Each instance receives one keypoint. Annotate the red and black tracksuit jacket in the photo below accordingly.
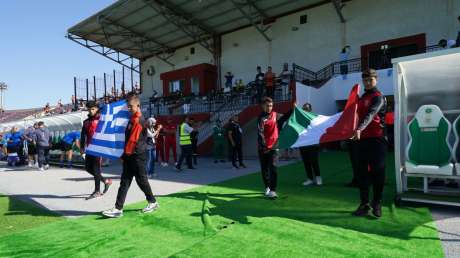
(268, 126)
(371, 113)
(87, 130)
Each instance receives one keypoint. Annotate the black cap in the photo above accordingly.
(369, 73)
(91, 104)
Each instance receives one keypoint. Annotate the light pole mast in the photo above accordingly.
(3, 88)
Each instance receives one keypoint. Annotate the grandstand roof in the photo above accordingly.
(145, 28)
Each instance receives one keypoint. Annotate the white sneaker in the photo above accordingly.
(319, 181)
(307, 183)
(113, 213)
(30, 164)
(165, 164)
(267, 191)
(47, 166)
(41, 169)
(272, 195)
(151, 207)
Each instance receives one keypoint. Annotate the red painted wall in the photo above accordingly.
(206, 73)
(419, 40)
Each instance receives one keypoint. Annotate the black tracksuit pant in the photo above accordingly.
(310, 156)
(268, 167)
(372, 153)
(353, 151)
(134, 166)
(185, 153)
(93, 166)
(237, 154)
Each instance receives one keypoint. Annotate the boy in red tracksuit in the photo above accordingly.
(268, 126)
(92, 163)
(372, 145)
(134, 161)
(170, 130)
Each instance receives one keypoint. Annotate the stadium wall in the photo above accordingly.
(318, 42)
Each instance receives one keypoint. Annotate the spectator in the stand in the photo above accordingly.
(47, 109)
(310, 156)
(344, 55)
(66, 145)
(218, 136)
(152, 134)
(160, 145)
(285, 80)
(170, 130)
(239, 85)
(270, 82)
(443, 43)
(260, 84)
(43, 139)
(186, 105)
(235, 138)
(228, 80)
(194, 138)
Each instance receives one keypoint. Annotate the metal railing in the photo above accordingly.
(319, 78)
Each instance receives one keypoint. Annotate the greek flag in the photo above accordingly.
(109, 139)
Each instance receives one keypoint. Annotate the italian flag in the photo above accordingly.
(307, 128)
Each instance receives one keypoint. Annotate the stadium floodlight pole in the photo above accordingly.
(132, 74)
(114, 92)
(75, 104)
(87, 90)
(3, 88)
(105, 86)
(94, 87)
(123, 81)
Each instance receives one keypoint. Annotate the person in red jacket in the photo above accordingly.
(134, 160)
(268, 126)
(170, 130)
(372, 145)
(92, 163)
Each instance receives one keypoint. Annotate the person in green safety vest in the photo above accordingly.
(218, 137)
(185, 142)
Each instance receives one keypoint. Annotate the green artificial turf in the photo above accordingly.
(16, 215)
(232, 219)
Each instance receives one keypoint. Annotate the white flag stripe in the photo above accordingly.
(110, 137)
(318, 126)
(107, 151)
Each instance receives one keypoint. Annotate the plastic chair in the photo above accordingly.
(429, 151)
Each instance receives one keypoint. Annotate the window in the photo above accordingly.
(177, 85)
(195, 85)
(303, 19)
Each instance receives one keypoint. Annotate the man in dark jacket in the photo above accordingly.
(134, 161)
(235, 138)
(43, 138)
(372, 145)
(268, 125)
(92, 163)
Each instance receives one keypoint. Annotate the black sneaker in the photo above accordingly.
(107, 185)
(191, 167)
(94, 195)
(222, 161)
(242, 165)
(215, 161)
(363, 210)
(178, 169)
(377, 210)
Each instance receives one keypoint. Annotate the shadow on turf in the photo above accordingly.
(241, 207)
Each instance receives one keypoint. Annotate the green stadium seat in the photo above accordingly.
(456, 150)
(429, 151)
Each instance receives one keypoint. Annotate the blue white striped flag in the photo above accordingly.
(109, 139)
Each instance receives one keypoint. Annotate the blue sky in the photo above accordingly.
(36, 61)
